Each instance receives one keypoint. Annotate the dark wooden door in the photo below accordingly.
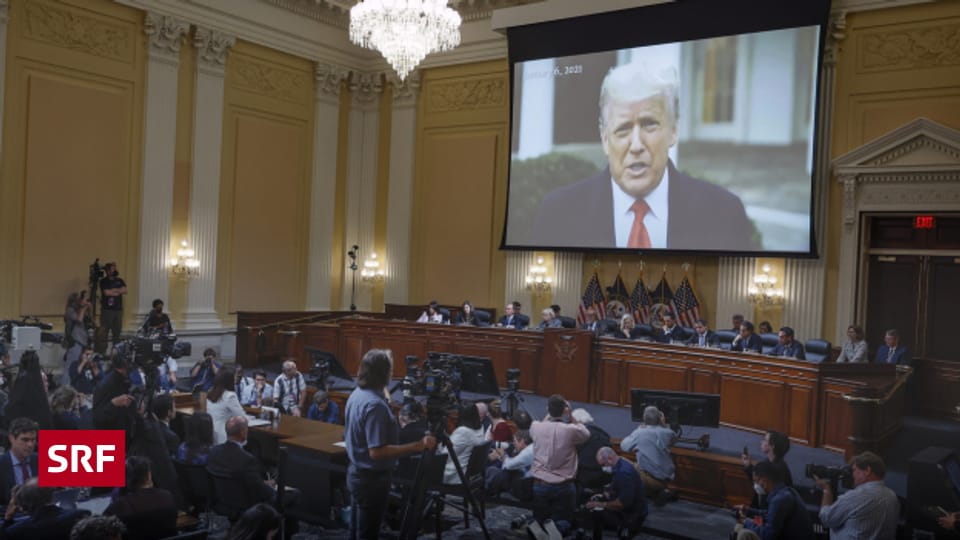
(917, 295)
(893, 299)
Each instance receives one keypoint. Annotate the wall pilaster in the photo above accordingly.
(403, 125)
(212, 50)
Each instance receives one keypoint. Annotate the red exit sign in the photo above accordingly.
(924, 222)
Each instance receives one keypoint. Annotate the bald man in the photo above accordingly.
(623, 502)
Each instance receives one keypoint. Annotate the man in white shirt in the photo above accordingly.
(869, 511)
(290, 390)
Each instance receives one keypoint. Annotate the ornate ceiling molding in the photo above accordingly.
(337, 12)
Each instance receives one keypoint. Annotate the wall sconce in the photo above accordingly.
(764, 290)
(371, 273)
(185, 265)
(538, 282)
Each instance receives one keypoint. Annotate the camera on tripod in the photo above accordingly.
(513, 379)
(837, 476)
(150, 351)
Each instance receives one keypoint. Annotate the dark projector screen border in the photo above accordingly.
(702, 142)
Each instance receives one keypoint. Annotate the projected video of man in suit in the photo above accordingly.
(702, 146)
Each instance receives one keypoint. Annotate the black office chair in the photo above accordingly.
(196, 487)
(483, 317)
(818, 350)
(567, 322)
(726, 338)
(445, 313)
(768, 342)
(645, 331)
(230, 497)
(523, 321)
(475, 471)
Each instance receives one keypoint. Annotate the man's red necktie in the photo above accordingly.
(638, 233)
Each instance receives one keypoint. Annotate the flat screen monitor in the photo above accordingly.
(680, 408)
(476, 374)
(686, 126)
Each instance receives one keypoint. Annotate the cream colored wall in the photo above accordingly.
(460, 185)
(894, 65)
(73, 112)
(264, 186)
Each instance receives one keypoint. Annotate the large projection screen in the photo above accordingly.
(690, 145)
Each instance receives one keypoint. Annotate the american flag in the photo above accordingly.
(662, 294)
(592, 297)
(640, 302)
(685, 300)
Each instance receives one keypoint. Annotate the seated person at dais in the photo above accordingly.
(746, 340)
(703, 336)
(764, 327)
(512, 317)
(788, 347)
(670, 331)
(891, 352)
(550, 320)
(324, 409)
(590, 321)
(431, 314)
(467, 316)
(854, 350)
(627, 330)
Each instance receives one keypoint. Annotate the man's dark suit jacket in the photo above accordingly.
(752, 343)
(712, 339)
(7, 477)
(49, 523)
(702, 216)
(519, 322)
(675, 334)
(228, 458)
(900, 356)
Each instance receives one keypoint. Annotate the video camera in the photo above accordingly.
(513, 379)
(837, 476)
(150, 351)
(439, 378)
(97, 272)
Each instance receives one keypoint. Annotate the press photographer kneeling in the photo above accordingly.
(785, 515)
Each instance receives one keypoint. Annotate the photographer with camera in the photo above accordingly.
(85, 374)
(372, 439)
(785, 517)
(204, 371)
(112, 289)
(869, 511)
(652, 441)
(622, 502)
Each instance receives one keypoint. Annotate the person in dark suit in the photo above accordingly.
(670, 331)
(230, 458)
(467, 316)
(891, 352)
(746, 340)
(165, 412)
(113, 406)
(512, 318)
(641, 200)
(39, 519)
(147, 511)
(590, 321)
(19, 464)
(788, 347)
(703, 336)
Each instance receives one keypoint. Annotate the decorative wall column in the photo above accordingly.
(515, 287)
(165, 34)
(323, 184)
(804, 280)
(568, 282)
(4, 20)
(212, 50)
(733, 279)
(362, 175)
(403, 136)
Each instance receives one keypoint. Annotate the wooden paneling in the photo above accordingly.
(704, 381)
(740, 399)
(72, 149)
(611, 382)
(655, 376)
(936, 387)
(801, 414)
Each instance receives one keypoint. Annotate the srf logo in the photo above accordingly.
(81, 458)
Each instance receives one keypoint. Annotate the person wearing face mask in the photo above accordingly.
(623, 502)
(157, 320)
(785, 518)
(774, 446)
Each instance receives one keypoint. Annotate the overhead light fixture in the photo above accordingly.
(372, 274)
(185, 265)
(538, 282)
(764, 291)
(404, 31)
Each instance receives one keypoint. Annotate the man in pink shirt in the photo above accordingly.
(554, 469)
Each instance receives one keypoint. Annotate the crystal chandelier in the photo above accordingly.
(404, 31)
